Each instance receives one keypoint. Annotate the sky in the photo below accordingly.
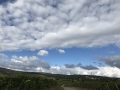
(61, 36)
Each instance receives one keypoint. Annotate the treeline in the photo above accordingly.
(26, 82)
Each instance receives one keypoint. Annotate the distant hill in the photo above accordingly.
(5, 71)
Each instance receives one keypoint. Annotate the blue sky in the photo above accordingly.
(74, 55)
(3, 1)
(56, 36)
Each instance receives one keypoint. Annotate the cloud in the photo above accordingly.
(70, 65)
(87, 67)
(3, 55)
(113, 61)
(102, 71)
(43, 53)
(24, 63)
(61, 51)
(59, 24)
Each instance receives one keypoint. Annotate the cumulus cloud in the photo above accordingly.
(24, 63)
(61, 51)
(43, 53)
(102, 71)
(42, 24)
(113, 61)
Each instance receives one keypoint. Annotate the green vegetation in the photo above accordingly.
(90, 83)
(26, 82)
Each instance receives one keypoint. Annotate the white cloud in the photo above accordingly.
(43, 53)
(24, 63)
(61, 51)
(59, 24)
(102, 71)
(2, 55)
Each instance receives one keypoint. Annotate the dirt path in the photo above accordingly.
(69, 88)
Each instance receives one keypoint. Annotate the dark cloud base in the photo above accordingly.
(87, 67)
(113, 61)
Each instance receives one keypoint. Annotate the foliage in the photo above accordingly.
(92, 84)
(26, 82)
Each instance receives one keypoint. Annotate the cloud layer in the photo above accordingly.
(43, 24)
